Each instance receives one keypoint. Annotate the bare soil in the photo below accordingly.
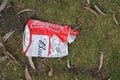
(10, 21)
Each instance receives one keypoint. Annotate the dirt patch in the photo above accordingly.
(10, 21)
(103, 74)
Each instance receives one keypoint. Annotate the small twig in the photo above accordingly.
(2, 6)
(73, 54)
(88, 2)
(99, 10)
(114, 18)
(109, 79)
(6, 36)
(101, 61)
(76, 78)
(77, 27)
(68, 64)
(9, 55)
(78, 21)
(78, 24)
(25, 10)
(27, 74)
(3, 58)
(50, 73)
(31, 62)
(91, 10)
(1, 44)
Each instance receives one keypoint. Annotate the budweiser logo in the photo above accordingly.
(41, 46)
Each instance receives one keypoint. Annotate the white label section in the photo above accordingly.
(39, 46)
(26, 38)
(58, 49)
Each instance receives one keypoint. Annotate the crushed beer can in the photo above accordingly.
(44, 39)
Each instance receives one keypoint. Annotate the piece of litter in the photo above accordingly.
(44, 39)
(99, 10)
(25, 10)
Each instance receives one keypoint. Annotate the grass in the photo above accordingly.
(98, 33)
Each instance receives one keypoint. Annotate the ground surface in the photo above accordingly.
(98, 33)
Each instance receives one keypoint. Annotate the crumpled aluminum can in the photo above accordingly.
(44, 39)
